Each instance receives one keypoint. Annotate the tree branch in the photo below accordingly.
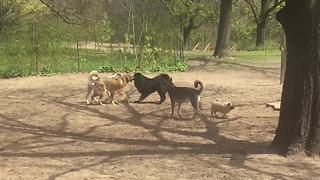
(274, 6)
(254, 10)
(167, 7)
(65, 19)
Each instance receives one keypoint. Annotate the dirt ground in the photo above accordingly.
(48, 132)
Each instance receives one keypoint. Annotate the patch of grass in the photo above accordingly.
(197, 54)
(58, 59)
(258, 56)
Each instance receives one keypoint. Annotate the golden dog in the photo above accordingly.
(110, 86)
(93, 78)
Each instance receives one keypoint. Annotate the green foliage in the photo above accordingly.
(9, 13)
(17, 59)
(243, 27)
(151, 59)
(103, 30)
(243, 34)
(34, 40)
(185, 10)
(13, 72)
(107, 68)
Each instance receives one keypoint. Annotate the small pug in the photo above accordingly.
(221, 107)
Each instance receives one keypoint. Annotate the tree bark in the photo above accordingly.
(299, 121)
(223, 29)
(260, 34)
(186, 37)
(283, 49)
(262, 23)
(186, 34)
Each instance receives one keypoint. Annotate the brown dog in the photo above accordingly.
(110, 86)
(92, 79)
(184, 94)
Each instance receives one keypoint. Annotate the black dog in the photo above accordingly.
(184, 94)
(146, 86)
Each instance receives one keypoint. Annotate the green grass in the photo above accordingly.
(20, 61)
(252, 57)
(260, 56)
(17, 59)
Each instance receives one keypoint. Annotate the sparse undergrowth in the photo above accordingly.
(60, 60)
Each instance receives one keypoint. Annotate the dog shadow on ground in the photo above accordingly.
(217, 144)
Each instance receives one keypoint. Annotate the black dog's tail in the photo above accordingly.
(196, 84)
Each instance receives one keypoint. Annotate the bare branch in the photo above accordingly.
(274, 6)
(62, 14)
(167, 7)
(254, 9)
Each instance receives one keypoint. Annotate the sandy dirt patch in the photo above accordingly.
(48, 132)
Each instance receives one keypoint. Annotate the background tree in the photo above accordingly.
(262, 15)
(242, 32)
(190, 14)
(299, 122)
(9, 12)
(223, 29)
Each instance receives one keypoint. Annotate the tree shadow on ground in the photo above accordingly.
(211, 65)
(216, 143)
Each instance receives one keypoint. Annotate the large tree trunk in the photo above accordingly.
(186, 34)
(223, 29)
(260, 34)
(299, 121)
(262, 23)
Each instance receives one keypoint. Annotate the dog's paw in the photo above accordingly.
(100, 102)
(114, 103)
(95, 101)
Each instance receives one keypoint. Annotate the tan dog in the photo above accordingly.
(221, 107)
(92, 79)
(110, 86)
